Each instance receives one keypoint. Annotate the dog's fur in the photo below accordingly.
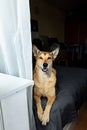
(45, 80)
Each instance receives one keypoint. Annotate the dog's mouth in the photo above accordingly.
(45, 69)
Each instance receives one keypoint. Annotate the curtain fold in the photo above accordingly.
(15, 38)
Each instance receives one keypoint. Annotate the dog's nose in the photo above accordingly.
(45, 64)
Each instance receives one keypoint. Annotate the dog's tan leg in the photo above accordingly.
(46, 114)
(39, 107)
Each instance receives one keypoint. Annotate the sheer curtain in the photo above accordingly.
(15, 42)
(15, 38)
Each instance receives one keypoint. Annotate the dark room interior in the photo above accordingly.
(65, 23)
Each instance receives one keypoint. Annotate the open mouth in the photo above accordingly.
(45, 69)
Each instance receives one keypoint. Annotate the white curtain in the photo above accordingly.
(15, 43)
(15, 38)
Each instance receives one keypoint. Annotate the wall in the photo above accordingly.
(50, 20)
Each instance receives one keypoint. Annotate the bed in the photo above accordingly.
(71, 92)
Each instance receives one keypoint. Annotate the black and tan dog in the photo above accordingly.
(45, 80)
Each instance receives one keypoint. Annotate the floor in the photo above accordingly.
(81, 123)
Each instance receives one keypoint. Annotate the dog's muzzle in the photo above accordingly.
(45, 67)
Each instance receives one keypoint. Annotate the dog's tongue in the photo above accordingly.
(44, 69)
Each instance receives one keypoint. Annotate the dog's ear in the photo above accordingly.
(36, 51)
(55, 53)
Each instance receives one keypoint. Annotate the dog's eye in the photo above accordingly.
(49, 57)
(40, 57)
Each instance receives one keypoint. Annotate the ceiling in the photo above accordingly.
(68, 5)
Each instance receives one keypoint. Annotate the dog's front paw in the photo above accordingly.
(45, 118)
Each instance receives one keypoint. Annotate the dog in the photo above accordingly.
(44, 81)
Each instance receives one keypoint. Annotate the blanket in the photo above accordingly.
(71, 89)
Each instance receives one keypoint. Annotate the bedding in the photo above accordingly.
(71, 89)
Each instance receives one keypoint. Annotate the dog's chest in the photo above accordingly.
(43, 88)
(44, 84)
(45, 78)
